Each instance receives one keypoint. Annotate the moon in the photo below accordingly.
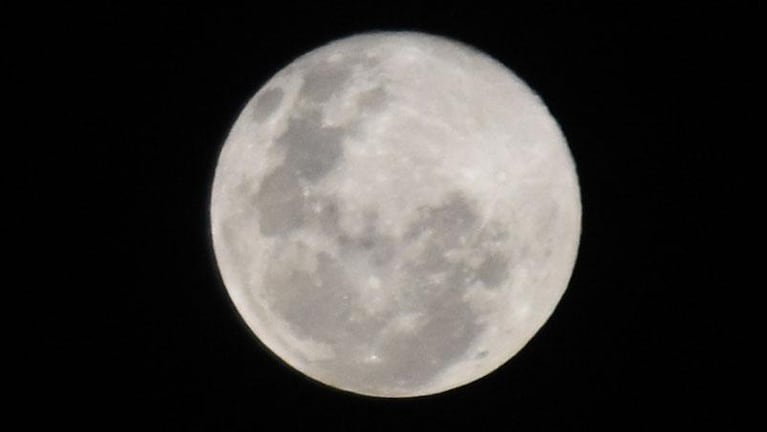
(395, 214)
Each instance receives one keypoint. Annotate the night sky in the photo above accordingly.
(140, 331)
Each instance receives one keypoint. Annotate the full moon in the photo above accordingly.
(395, 214)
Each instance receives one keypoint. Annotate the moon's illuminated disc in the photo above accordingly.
(395, 214)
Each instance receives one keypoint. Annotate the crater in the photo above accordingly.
(312, 150)
(267, 103)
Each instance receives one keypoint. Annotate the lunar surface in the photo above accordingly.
(395, 214)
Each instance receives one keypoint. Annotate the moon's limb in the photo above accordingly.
(395, 214)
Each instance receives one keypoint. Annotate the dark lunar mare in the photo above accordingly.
(267, 103)
(311, 152)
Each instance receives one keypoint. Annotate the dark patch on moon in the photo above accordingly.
(312, 149)
(377, 248)
(373, 100)
(445, 223)
(410, 359)
(447, 227)
(325, 214)
(324, 79)
(320, 305)
(279, 202)
(311, 152)
(267, 103)
(440, 230)
(231, 230)
(316, 305)
(383, 251)
(493, 269)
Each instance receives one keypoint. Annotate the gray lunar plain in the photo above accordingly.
(395, 214)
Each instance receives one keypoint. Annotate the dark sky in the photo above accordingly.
(644, 95)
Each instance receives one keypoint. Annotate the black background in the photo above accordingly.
(648, 98)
